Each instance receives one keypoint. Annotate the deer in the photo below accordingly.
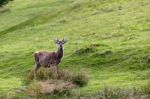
(47, 58)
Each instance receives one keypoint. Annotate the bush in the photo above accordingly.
(80, 79)
(4, 2)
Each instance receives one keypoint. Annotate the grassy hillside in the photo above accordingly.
(108, 39)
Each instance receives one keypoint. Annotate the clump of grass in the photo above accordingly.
(34, 89)
(75, 5)
(29, 77)
(145, 89)
(146, 59)
(80, 79)
(46, 73)
(45, 84)
(86, 50)
(62, 92)
(103, 54)
(119, 93)
(42, 74)
(65, 75)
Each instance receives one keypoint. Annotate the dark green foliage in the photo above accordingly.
(85, 51)
(146, 59)
(4, 2)
(103, 54)
(88, 49)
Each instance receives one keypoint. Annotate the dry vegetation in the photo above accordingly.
(47, 83)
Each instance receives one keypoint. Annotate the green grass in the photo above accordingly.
(109, 39)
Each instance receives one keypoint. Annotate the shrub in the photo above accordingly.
(80, 79)
(4, 2)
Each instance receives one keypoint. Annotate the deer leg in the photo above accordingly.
(37, 64)
(57, 70)
(37, 67)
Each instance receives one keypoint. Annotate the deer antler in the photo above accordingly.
(64, 40)
(56, 40)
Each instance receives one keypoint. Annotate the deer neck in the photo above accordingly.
(60, 51)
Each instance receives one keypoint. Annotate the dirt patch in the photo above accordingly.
(46, 83)
(51, 85)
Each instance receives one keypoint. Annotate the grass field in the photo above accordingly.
(107, 39)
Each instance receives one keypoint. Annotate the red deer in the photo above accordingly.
(47, 59)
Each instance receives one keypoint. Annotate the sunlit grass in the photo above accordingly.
(111, 36)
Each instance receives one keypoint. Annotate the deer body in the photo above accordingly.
(48, 59)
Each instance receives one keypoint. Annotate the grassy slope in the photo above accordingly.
(109, 39)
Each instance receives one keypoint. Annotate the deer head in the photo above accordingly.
(58, 42)
(60, 47)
